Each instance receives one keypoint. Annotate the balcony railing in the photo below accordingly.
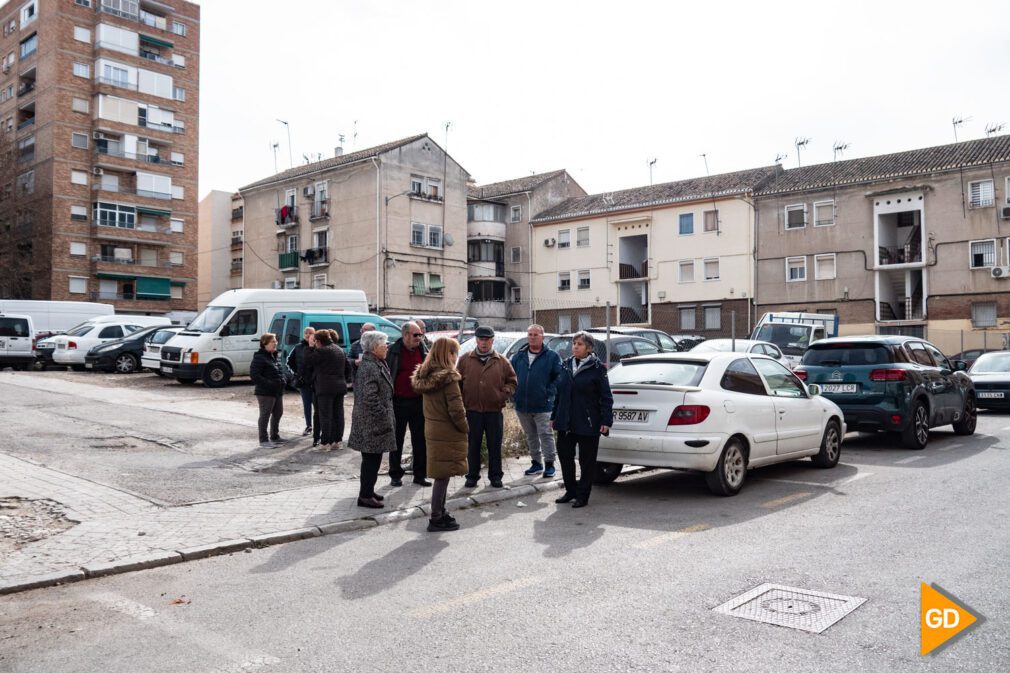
(903, 255)
(113, 150)
(237, 213)
(316, 256)
(236, 242)
(287, 260)
(102, 7)
(116, 260)
(236, 268)
(286, 216)
(25, 87)
(157, 58)
(26, 123)
(320, 210)
(121, 83)
(110, 187)
(425, 197)
(629, 271)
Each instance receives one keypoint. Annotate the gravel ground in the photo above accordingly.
(25, 521)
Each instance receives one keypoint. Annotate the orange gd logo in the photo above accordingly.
(941, 618)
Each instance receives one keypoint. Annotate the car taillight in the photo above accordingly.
(689, 414)
(71, 344)
(801, 374)
(887, 375)
(194, 358)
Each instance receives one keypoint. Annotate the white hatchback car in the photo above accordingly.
(718, 413)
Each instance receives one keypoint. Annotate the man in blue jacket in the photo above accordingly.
(537, 369)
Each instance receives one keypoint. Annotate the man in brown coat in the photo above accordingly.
(488, 382)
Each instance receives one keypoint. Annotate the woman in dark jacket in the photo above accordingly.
(331, 372)
(583, 410)
(267, 374)
(372, 422)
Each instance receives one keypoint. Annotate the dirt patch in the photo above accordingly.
(25, 521)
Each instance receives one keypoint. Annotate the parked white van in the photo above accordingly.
(221, 341)
(56, 316)
(71, 347)
(17, 334)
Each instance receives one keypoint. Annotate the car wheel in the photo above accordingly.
(966, 426)
(216, 375)
(606, 473)
(186, 382)
(126, 363)
(728, 476)
(916, 435)
(831, 446)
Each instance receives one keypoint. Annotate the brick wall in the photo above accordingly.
(667, 317)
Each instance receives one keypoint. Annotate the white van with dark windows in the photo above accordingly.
(17, 337)
(221, 341)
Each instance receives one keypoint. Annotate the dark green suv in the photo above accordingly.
(892, 383)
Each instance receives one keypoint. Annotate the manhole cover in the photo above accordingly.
(811, 611)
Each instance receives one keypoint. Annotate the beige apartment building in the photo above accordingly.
(676, 256)
(914, 243)
(220, 253)
(389, 220)
(500, 244)
(100, 99)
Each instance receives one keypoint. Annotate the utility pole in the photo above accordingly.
(291, 161)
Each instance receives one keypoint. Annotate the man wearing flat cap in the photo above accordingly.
(488, 382)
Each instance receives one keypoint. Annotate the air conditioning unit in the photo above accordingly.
(549, 242)
(1005, 212)
(277, 285)
(97, 171)
(309, 191)
(1000, 271)
(98, 135)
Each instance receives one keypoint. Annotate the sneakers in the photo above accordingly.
(442, 525)
(267, 445)
(549, 471)
(535, 468)
(278, 440)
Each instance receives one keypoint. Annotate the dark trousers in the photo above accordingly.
(370, 463)
(271, 409)
(307, 404)
(409, 411)
(588, 448)
(331, 418)
(438, 492)
(490, 423)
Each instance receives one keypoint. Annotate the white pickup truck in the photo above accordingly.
(793, 332)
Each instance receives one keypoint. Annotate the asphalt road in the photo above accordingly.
(627, 584)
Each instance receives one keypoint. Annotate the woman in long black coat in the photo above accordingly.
(331, 372)
(268, 376)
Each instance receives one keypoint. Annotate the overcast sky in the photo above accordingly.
(598, 88)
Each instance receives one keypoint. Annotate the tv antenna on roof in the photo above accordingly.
(994, 128)
(651, 163)
(779, 157)
(800, 143)
(838, 148)
(957, 121)
(705, 158)
(274, 145)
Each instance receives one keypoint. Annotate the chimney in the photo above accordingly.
(338, 151)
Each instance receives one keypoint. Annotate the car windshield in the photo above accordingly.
(667, 372)
(714, 346)
(837, 355)
(163, 336)
(81, 330)
(791, 339)
(501, 344)
(210, 319)
(992, 363)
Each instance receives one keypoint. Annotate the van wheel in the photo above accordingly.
(186, 382)
(728, 476)
(606, 473)
(916, 435)
(216, 375)
(126, 364)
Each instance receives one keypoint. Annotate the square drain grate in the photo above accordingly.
(811, 611)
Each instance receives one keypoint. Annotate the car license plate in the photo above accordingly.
(89, 365)
(838, 387)
(61, 346)
(166, 370)
(989, 396)
(631, 416)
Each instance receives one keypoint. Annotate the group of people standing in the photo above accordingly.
(453, 407)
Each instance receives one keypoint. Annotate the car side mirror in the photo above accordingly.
(813, 389)
(225, 331)
(960, 366)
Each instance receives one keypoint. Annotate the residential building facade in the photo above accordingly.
(499, 244)
(100, 98)
(220, 253)
(389, 220)
(676, 256)
(915, 242)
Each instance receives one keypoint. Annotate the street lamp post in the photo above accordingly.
(385, 247)
(291, 161)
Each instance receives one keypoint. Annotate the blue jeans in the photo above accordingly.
(307, 404)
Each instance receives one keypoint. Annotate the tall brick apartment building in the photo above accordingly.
(100, 100)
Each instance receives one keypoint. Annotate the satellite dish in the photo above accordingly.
(448, 239)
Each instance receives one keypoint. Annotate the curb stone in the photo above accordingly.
(132, 563)
(283, 536)
(40, 581)
(214, 549)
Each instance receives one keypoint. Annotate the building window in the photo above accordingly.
(176, 291)
(686, 224)
(79, 140)
(177, 226)
(178, 158)
(711, 269)
(417, 234)
(178, 192)
(115, 215)
(713, 317)
(78, 249)
(417, 285)
(82, 34)
(517, 255)
(517, 295)
(78, 285)
(564, 324)
(582, 237)
(292, 243)
(584, 279)
(796, 269)
(178, 93)
(26, 182)
(435, 236)
(179, 28)
(517, 213)
(28, 13)
(80, 105)
(83, 3)
(79, 177)
(28, 46)
(434, 188)
(290, 283)
(711, 220)
(565, 238)
(82, 70)
(435, 283)
(824, 267)
(824, 213)
(982, 254)
(564, 280)
(981, 194)
(585, 321)
(796, 216)
(416, 185)
(687, 318)
(319, 281)
(686, 272)
(983, 314)
(175, 258)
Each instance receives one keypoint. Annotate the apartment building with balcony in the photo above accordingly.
(221, 245)
(915, 242)
(102, 107)
(499, 244)
(677, 256)
(389, 220)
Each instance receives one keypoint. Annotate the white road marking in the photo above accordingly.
(910, 459)
(861, 475)
(657, 540)
(475, 597)
(829, 484)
